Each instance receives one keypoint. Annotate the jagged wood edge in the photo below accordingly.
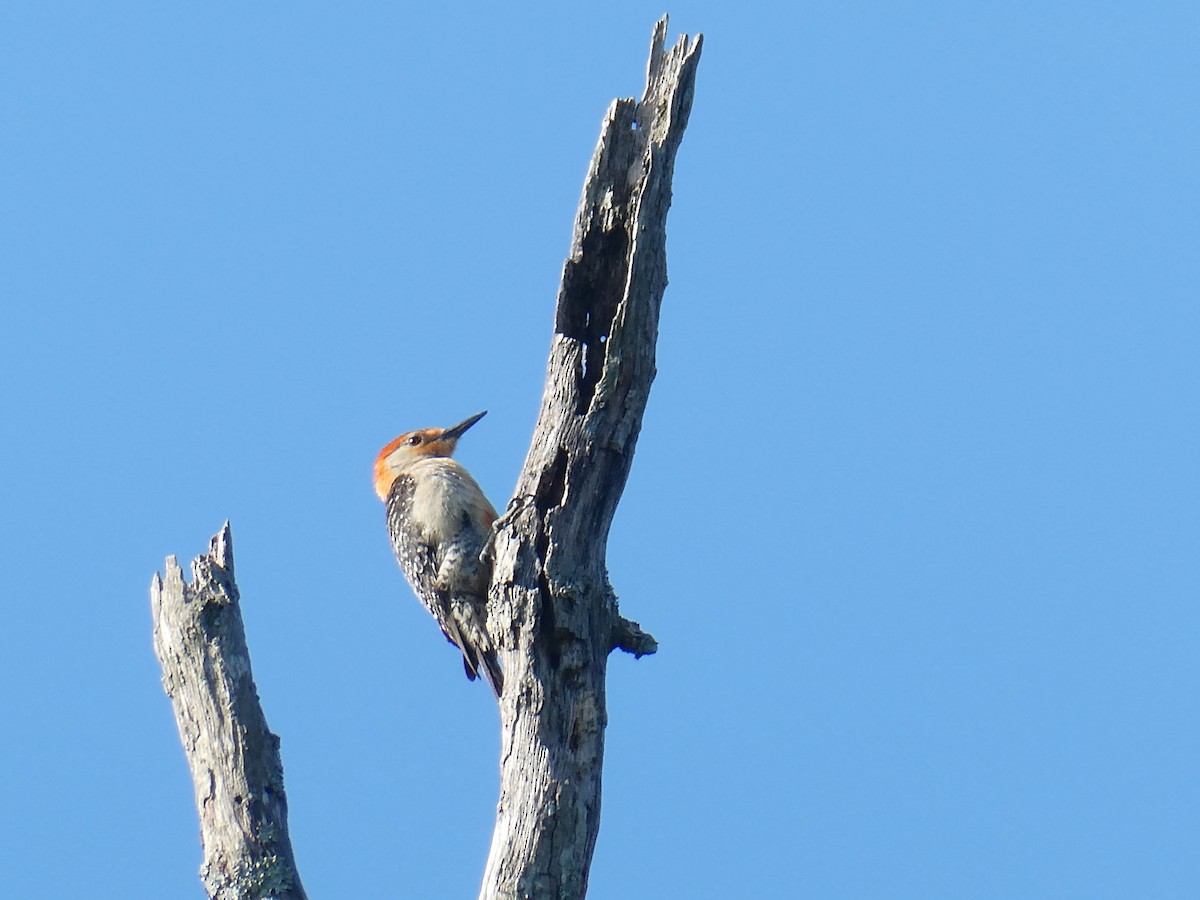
(551, 606)
(237, 772)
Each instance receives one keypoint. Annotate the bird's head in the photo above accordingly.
(414, 446)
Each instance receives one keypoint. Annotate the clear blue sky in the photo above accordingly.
(914, 514)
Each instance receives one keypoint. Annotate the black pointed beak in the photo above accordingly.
(454, 432)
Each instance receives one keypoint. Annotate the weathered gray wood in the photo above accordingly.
(551, 606)
(201, 644)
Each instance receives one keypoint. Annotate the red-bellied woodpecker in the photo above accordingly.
(439, 520)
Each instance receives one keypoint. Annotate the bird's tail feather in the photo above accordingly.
(492, 672)
(468, 631)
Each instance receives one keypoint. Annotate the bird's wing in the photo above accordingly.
(416, 557)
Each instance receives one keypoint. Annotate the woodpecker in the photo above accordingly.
(438, 520)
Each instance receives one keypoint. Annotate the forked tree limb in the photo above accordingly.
(236, 769)
(551, 606)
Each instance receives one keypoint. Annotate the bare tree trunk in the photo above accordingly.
(234, 758)
(551, 605)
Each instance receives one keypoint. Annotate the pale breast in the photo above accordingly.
(444, 491)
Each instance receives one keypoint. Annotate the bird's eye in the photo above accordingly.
(414, 440)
